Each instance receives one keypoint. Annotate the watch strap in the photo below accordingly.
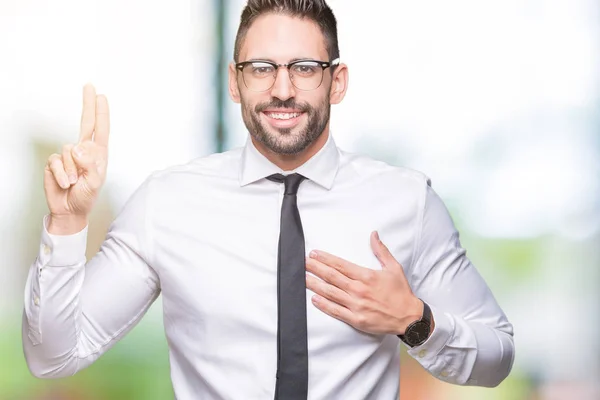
(426, 313)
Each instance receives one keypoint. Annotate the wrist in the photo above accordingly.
(66, 224)
(414, 312)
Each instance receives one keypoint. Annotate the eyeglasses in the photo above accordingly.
(260, 76)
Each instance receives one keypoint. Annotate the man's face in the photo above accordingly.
(285, 119)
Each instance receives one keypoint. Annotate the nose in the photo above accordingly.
(283, 88)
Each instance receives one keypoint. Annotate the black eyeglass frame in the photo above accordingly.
(323, 64)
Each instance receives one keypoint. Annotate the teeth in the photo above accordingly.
(283, 115)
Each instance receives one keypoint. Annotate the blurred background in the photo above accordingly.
(497, 101)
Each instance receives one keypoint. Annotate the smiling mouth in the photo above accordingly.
(282, 116)
(283, 119)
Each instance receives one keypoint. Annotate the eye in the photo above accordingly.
(305, 68)
(260, 69)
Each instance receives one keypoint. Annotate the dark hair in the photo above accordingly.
(315, 10)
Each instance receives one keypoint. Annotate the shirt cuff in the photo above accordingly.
(62, 250)
(426, 353)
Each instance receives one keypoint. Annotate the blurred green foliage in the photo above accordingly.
(136, 368)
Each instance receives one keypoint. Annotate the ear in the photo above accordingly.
(234, 89)
(339, 84)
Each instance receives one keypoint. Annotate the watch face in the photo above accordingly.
(418, 333)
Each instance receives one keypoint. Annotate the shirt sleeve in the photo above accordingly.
(472, 343)
(75, 311)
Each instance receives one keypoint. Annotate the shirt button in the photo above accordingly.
(47, 249)
(422, 353)
(445, 373)
(36, 301)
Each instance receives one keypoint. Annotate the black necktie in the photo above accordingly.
(292, 352)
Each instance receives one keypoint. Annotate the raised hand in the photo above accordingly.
(73, 179)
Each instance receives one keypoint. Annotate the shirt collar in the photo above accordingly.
(320, 168)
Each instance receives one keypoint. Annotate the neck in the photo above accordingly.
(289, 162)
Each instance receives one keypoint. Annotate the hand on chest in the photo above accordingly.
(230, 281)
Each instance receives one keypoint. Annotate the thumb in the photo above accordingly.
(383, 254)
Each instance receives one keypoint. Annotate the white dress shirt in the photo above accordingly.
(205, 235)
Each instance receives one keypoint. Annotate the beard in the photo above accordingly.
(285, 140)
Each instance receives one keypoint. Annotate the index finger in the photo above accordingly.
(102, 127)
(347, 268)
(88, 114)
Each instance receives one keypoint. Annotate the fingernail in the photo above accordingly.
(64, 183)
(313, 254)
(377, 236)
(72, 179)
(78, 150)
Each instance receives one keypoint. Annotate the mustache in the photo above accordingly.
(289, 103)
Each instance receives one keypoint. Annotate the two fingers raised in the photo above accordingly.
(89, 156)
(95, 118)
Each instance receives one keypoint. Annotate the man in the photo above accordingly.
(271, 285)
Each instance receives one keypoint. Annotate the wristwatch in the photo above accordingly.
(418, 331)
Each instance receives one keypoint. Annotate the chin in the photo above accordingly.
(285, 143)
(292, 140)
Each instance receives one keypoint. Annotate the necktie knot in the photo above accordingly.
(292, 181)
